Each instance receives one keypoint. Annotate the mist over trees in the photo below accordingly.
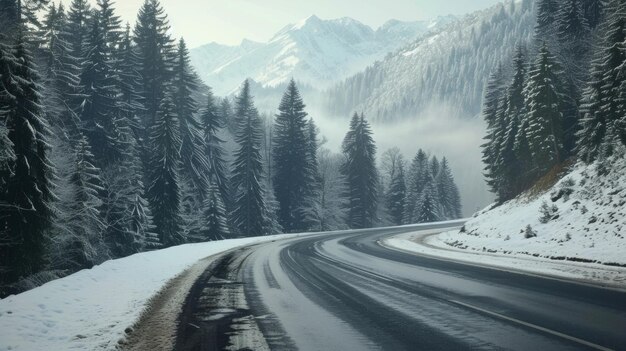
(111, 145)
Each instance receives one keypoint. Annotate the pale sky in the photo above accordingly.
(230, 21)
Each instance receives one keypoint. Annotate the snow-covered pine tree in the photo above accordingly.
(156, 53)
(601, 106)
(545, 28)
(25, 212)
(396, 193)
(250, 213)
(290, 159)
(111, 27)
(129, 84)
(195, 166)
(507, 170)
(60, 81)
(164, 187)
(544, 101)
(214, 216)
(448, 192)
(574, 54)
(361, 175)
(417, 178)
(493, 114)
(78, 28)
(428, 209)
(212, 125)
(83, 244)
(100, 110)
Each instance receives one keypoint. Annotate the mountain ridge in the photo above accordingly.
(315, 51)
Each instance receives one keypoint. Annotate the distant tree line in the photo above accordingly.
(561, 99)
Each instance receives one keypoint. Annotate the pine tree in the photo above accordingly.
(416, 181)
(212, 125)
(359, 170)
(601, 106)
(85, 245)
(249, 208)
(448, 192)
(546, 20)
(60, 77)
(544, 116)
(291, 158)
(215, 226)
(428, 210)
(78, 29)
(156, 53)
(164, 188)
(25, 212)
(507, 169)
(396, 195)
(100, 109)
(493, 114)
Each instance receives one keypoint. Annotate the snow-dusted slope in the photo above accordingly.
(580, 219)
(448, 66)
(313, 51)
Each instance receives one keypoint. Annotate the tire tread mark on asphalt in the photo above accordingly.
(389, 330)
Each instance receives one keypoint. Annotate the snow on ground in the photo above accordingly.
(580, 233)
(90, 309)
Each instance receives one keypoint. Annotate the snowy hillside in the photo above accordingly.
(447, 66)
(314, 51)
(582, 218)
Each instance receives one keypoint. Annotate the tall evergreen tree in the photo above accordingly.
(156, 53)
(396, 195)
(418, 176)
(359, 170)
(164, 188)
(291, 158)
(449, 197)
(428, 210)
(85, 245)
(100, 109)
(215, 226)
(602, 109)
(249, 214)
(78, 28)
(25, 214)
(508, 171)
(212, 125)
(544, 116)
(493, 114)
(547, 11)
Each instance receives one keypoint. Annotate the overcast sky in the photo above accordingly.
(230, 21)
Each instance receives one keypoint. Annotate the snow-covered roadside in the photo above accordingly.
(90, 309)
(432, 243)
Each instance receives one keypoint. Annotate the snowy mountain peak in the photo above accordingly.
(315, 51)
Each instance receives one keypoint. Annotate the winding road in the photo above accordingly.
(345, 291)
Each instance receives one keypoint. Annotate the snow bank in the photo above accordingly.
(577, 230)
(90, 310)
(583, 220)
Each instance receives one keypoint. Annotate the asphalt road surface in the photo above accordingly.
(345, 291)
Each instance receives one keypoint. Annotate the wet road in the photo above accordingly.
(347, 292)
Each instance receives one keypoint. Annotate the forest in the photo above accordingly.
(560, 100)
(111, 145)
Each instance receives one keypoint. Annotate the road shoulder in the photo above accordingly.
(426, 243)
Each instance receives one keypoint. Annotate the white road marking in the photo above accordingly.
(546, 330)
